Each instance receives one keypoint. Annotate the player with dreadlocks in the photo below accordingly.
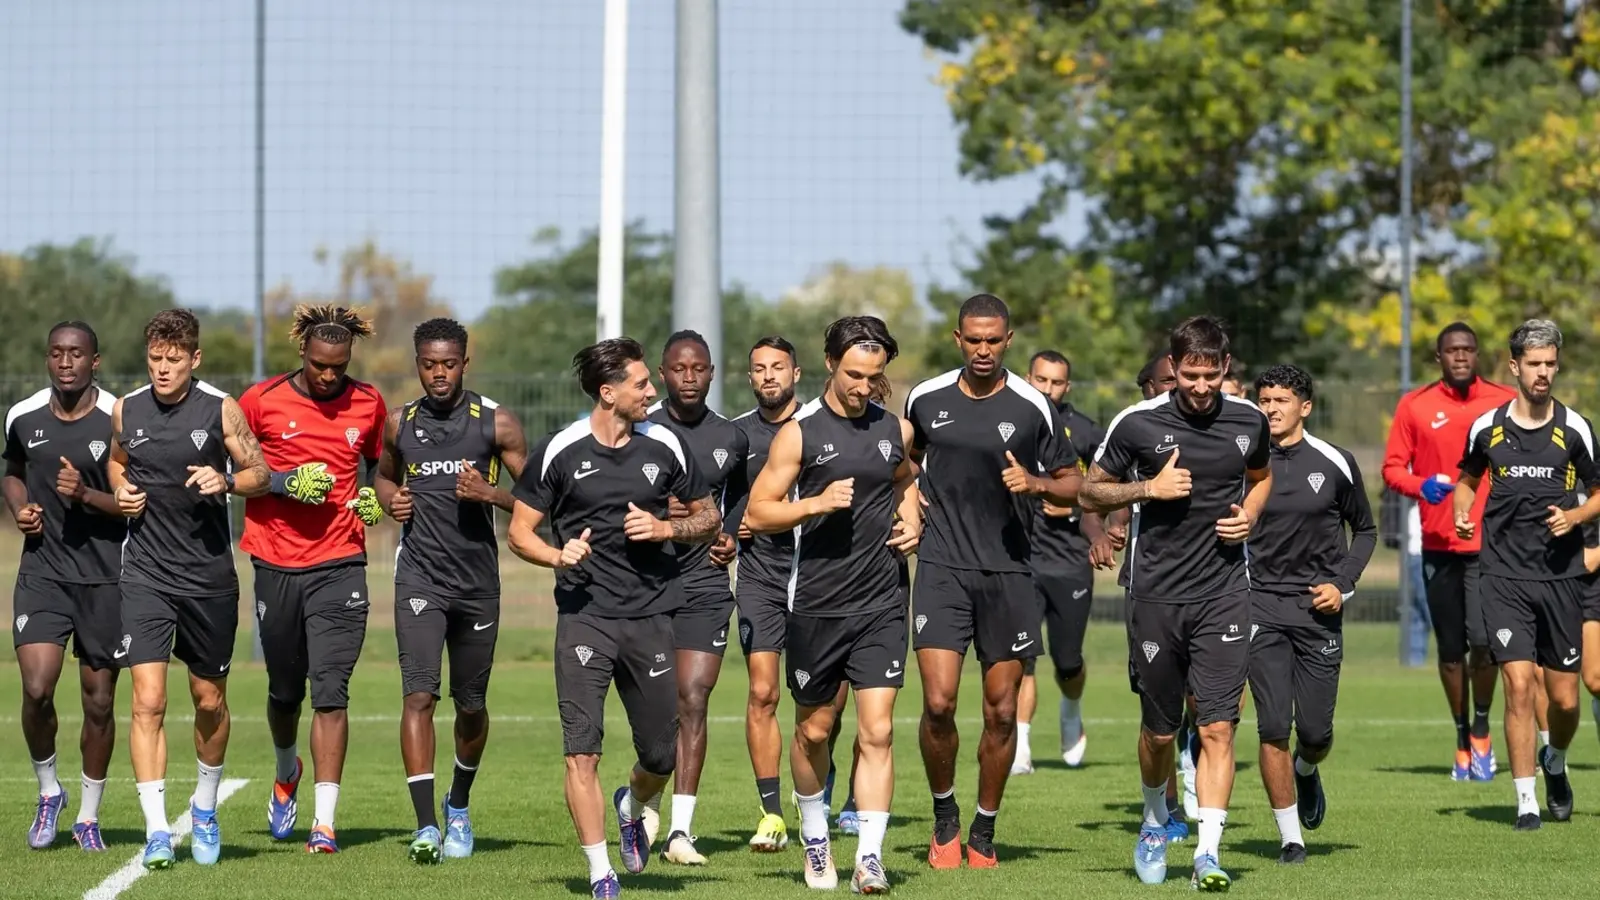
(307, 538)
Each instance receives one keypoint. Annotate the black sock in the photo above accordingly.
(1462, 730)
(981, 830)
(946, 807)
(1480, 721)
(422, 801)
(461, 787)
(768, 789)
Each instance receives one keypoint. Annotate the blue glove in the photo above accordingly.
(1434, 491)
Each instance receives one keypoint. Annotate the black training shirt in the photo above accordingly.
(973, 520)
(1174, 554)
(1531, 470)
(719, 449)
(1317, 492)
(1058, 541)
(578, 483)
(766, 559)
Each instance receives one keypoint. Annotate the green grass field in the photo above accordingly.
(1396, 827)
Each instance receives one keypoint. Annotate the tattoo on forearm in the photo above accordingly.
(1100, 493)
(698, 526)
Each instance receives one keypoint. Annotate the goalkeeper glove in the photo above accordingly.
(366, 506)
(309, 483)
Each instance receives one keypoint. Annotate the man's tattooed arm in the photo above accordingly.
(1103, 492)
(701, 525)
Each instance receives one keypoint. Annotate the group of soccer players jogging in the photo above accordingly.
(1242, 536)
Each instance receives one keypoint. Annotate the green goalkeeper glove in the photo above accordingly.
(366, 507)
(309, 483)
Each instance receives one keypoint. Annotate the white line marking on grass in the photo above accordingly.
(123, 878)
(1368, 722)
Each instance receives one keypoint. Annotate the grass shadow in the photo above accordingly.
(1269, 849)
(356, 837)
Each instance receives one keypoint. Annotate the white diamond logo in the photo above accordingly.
(261, 610)
(1253, 630)
(1243, 443)
(98, 448)
(199, 437)
(1316, 480)
(651, 470)
(1151, 648)
(921, 621)
(22, 622)
(1007, 430)
(802, 677)
(1504, 635)
(744, 633)
(585, 653)
(721, 456)
(127, 641)
(885, 448)
(352, 435)
(417, 605)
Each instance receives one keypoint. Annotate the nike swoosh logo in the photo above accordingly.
(581, 474)
(1078, 594)
(136, 442)
(287, 435)
(1329, 651)
(722, 643)
(119, 654)
(1439, 423)
(823, 459)
(894, 673)
(1022, 646)
(1162, 448)
(477, 627)
(33, 444)
(769, 794)
(355, 604)
(654, 673)
(1226, 639)
(224, 668)
(941, 423)
(1568, 662)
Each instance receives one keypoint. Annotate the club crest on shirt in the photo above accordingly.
(802, 677)
(721, 456)
(921, 621)
(885, 448)
(1316, 480)
(22, 622)
(417, 605)
(1006, 431)
(352, 435)
(1504, 635)
(98, 449)
(199, 437)
(1151, 648)
(1243, 443)
(651, 470)
(261, 610)
(585, 653)
(422, 436)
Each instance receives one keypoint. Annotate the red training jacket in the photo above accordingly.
(1429, 437)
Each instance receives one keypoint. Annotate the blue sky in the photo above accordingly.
(451, 132)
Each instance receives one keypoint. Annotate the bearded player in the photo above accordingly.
(307, 539)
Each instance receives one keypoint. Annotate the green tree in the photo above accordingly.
(836, 290)
(1240, 157)
(88, 281)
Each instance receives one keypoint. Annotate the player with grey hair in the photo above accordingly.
(1532, 580)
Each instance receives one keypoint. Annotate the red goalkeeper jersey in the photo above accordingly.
(294, 430)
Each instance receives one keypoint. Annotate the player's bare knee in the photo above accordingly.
(939, 708)
(38, 693)
(875, 735)
(98, 706)
(584, 766)
(1000, 716)
(692, 705)
(420, 704)
(762, 700)
(1218, 734)
(212, 703)
(1156, 740)
(815, 729)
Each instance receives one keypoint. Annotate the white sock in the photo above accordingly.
(874, 825)
(153, 800)
(1024, 729)
(1544, 738)
(1155, 805)
(49, 786)
(632, 807)
(327, 801)
(813, 816)
(1211, 822)
(1303, 768)
(1289, 826)
(1527, 796)
(205, 790)
(1072, 710)
(599, 863)
(682, 813)
(1556, 761)
(89, 800)
(287, 759)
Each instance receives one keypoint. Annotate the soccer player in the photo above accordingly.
(1537, 451)
(307, 540)
(839, 474)
(617, 586)
(700, 625)
(990, 446)
(55, 485)
(1063, 578)
(179, 447)
(1302, 570)
(1189, 601)
(437, 476)
(1232, 384)
(1430, 428)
